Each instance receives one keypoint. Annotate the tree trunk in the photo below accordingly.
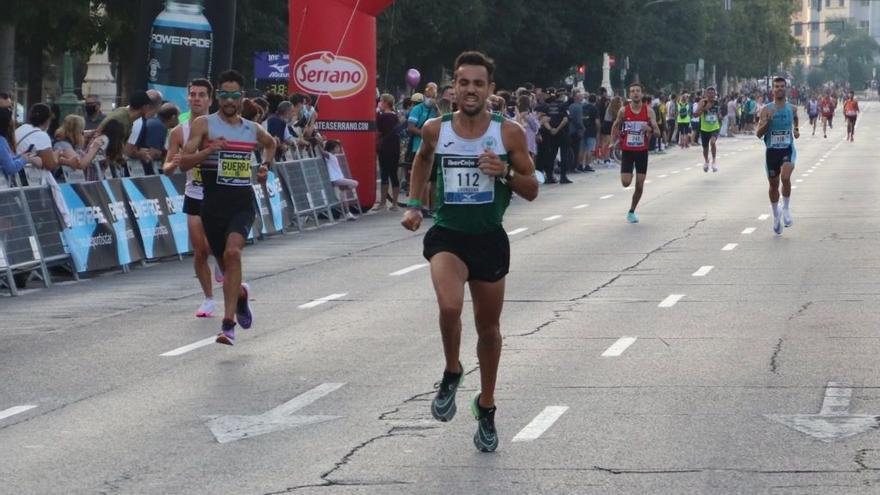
(7, 57)
(35, 70)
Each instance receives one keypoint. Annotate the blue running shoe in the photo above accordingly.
(227, 333)
(486, 438)
(243, 313)
(443, 406)
(632, 218)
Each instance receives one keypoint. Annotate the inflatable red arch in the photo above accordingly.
(333, 56)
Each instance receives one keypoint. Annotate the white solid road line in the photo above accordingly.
(764, 216)
(12, 411)
(607, 196)
(730, 247)
(318, 302)
(191, 347)
(703, 271)
(670, 301)
(580, 207)
(554, 217)
(540, 424)
(518, 231)
(408, 269)
(750, 230)
(618, 347)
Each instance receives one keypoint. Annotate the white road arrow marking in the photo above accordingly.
(834, 422)
(231, 428)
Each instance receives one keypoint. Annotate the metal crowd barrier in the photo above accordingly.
(113, 223)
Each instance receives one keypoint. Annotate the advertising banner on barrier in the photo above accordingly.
(90, 239)
(148, 201)
(129, 247)
(175, 186)
(278, 205)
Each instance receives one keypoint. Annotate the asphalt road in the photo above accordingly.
(638, 358)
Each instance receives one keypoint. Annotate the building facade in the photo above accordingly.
(811, 24)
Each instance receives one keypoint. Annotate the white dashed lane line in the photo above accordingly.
(320, 301)
(730, 247)
(517, 231)
(703, 271)
(554, 217)
(540, 424)
(619, 347)
(12, 411)
(404, 271)
(607, 196)
(764, 216)
(663, 176)
(750, 230)
(190, 347)
(670, 301)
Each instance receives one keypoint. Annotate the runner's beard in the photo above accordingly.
(471, 113)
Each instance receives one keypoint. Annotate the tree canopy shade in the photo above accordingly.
(541, 41)
(849, 56)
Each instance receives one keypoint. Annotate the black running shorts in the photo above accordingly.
(684, 129)
(486, 256)
(706, 137)
(776, 157)
(192, 206)
(218, 226)
(637, 160)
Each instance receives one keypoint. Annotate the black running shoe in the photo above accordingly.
(443, 406)
(486, 438)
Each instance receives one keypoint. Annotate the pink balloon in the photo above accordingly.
(413, 77)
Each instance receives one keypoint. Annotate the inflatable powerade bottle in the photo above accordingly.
(181, 46)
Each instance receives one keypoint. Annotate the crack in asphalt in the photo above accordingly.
(774, 359)
(571, 303)
(803, 309)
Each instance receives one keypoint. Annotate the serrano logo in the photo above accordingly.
(324, 73)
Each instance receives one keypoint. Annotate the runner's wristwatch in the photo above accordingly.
(508, 175)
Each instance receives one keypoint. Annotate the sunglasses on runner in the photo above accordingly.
(229, 95)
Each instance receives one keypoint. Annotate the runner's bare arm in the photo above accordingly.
(653, 118)
(175, 144)
(523, 182)
(269, 146)
(421, 168)
(797, 130)
(701, 108)
(763, 122)
(615, 128)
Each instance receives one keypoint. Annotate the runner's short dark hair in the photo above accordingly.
(636, 85)
(476, 58)
(204, 83)
(39, 114)
(780, 79)
(231, 75)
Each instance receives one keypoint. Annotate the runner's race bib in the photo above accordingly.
(234, 168)
(780, 139)
(634, 136)
(464, 183)
(711, 118)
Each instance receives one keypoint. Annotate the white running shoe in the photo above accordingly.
(714, 167)
(206, 310)
(218, 275)
(706, 167)
(786, 217)
(350, 216)
(777, 223)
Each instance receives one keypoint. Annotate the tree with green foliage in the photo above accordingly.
(849, 56)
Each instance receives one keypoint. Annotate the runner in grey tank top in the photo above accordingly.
(229, 207)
